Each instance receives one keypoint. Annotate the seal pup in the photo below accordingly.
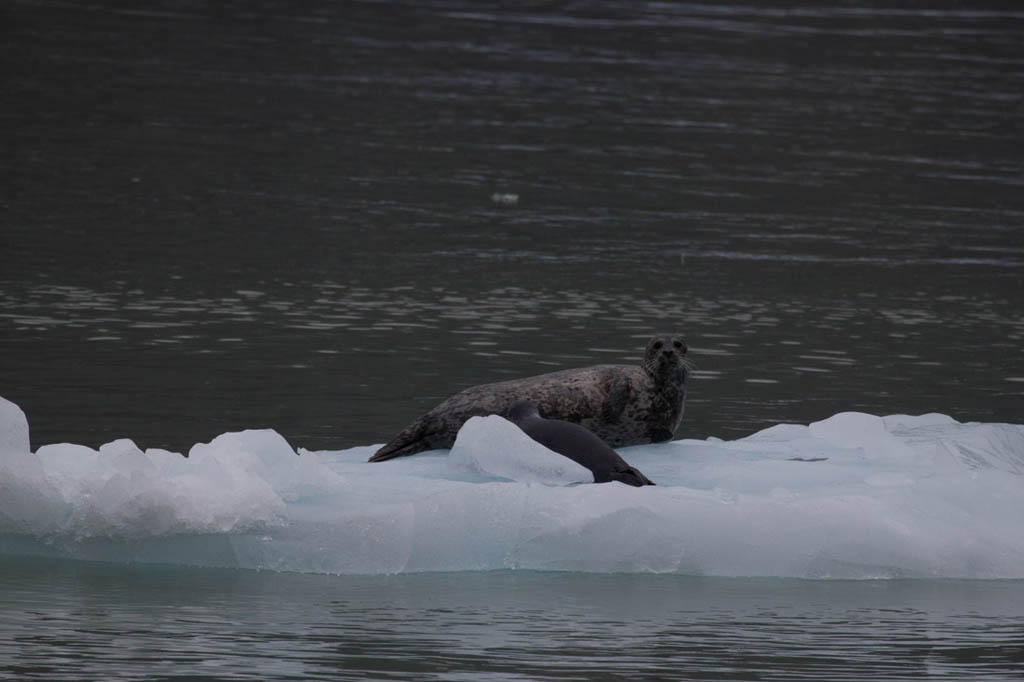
(577, 443)
(621, 404)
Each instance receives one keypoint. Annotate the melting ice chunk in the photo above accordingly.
(13, 428)
(493, 446)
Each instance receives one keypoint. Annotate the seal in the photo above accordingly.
(621, 404)
(577, 443)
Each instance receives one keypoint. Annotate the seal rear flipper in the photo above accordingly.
(390, 451)
(409, 441)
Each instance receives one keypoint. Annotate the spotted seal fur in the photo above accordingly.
(621, 404)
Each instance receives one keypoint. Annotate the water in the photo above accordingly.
(92, 621)
(216, 218)
(249, 216)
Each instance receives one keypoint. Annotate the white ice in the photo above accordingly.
(484, 443)
(852, 496)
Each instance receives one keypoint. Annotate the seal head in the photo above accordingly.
(663, 358)
(665, 363)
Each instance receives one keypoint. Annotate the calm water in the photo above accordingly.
(93, 621)
(225, 217)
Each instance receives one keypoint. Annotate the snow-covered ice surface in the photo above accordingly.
(853, 496)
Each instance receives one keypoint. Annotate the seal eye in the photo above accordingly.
(677, 343)
(657, 345)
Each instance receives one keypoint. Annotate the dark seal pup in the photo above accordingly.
(577, 443)
(622, 405)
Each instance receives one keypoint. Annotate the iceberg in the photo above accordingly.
(852, 496)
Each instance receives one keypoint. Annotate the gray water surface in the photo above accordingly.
(226, 217)
(96, 621)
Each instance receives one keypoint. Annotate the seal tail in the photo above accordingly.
(409, 441)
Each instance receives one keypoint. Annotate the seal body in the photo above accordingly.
(621, 404)
(577, 443)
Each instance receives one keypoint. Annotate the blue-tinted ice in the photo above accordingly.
(853, 496)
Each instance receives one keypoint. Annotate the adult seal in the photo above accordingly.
(577, 443)
(621, 404)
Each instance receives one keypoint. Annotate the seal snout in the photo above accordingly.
(677, 347)
(669, 346)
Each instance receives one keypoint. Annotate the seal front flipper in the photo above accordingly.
(615, 400)
(661, 435)
(631, 476)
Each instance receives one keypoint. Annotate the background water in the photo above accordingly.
(226, 217)
(218, 217)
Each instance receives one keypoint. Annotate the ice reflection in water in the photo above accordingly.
(254, 625)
